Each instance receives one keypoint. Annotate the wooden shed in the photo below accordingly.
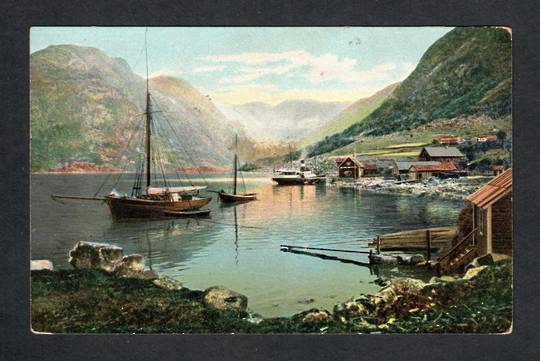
(492, 215)
(421, 171)
(403, 167)
(349, 167)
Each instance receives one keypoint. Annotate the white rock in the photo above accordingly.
(41, 264)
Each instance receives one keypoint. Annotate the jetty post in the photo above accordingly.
(428, 239)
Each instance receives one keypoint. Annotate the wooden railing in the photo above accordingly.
(461, 252)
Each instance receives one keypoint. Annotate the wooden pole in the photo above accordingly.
(235, 162)
(289, 247)
(378, 244)
(428, 238)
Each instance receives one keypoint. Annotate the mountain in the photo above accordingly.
(466, 72)
(291, 119)
(84, 105)
(351, 115)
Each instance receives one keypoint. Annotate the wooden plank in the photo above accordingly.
(439, 237)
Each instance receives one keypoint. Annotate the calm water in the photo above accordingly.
(246, 258)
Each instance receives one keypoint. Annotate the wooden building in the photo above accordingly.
(444, 155)
(449, 139)
(492, 215)
(486, 138)
(348, 167)
(422, 171)
(401, 168)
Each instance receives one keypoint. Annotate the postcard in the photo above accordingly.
(271, 180)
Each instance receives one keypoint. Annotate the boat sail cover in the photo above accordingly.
(183, 189)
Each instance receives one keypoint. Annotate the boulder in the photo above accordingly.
(223, 299)
(384, 259)
(167, 283)
(411, 259)
(132, 266)
(474, 272)
(92, 255)
(41, 265)
(314, 317)
(485, 260)
(108, 258)
(499, 258)
(350, 310)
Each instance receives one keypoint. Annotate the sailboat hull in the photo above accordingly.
(131, 207)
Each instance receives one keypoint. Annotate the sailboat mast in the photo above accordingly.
(235, 180)
(147, 148)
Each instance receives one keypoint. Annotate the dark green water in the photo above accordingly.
(246, 258)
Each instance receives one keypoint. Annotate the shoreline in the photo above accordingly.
(447, 189)
(131, 299)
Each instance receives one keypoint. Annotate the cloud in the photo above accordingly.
(164, 72)
(315, 69)
(208, 69)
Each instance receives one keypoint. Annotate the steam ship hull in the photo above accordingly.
(298, 181)
(132, 207)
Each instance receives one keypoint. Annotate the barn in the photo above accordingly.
(444, 155)
(492, 215)
(348, 167)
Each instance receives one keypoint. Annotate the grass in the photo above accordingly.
(391, 145)
(95, 302)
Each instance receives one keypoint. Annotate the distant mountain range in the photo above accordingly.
(466, 72)
(349, 116)
(291, 119)
(84, 106)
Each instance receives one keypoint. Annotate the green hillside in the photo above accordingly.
(467, 72)
(352, 114)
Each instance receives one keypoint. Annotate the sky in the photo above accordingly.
(236, 65)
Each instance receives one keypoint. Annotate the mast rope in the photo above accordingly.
(122, 154)
(181, 144)
(159, 130)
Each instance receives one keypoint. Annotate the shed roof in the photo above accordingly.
(344, 159)
(443, 152)
(406, 165)
(494, 190)
(442, 167)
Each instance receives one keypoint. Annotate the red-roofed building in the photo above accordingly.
(419, 171)
(449, 139)
(486, 138)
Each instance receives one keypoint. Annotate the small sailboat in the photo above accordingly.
(235, 196)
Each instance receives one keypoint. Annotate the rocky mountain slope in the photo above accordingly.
(84, 106)
(466, 72)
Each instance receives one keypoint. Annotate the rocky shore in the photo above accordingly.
(108, 291)
(451, 189)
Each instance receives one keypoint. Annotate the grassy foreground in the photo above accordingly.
(95, 302)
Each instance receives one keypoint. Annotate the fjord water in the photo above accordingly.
(246, 257)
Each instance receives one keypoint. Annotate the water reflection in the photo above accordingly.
(238, 246)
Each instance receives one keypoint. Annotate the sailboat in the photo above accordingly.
(235, 196)
(149, 200)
